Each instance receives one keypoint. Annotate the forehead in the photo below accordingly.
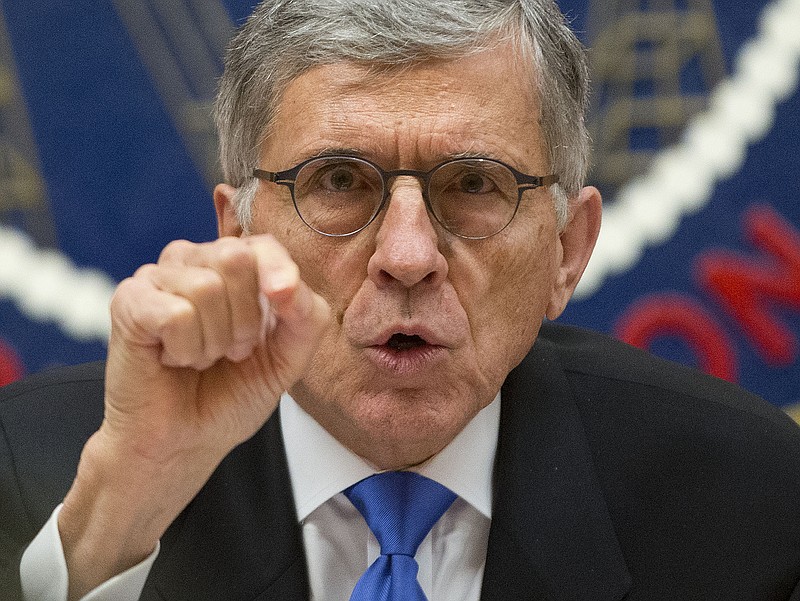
(481, 104)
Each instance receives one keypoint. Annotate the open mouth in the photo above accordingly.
(407, 354)
(404, 342)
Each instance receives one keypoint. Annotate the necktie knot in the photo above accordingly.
(400, 508)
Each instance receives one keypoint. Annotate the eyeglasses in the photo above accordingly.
(472, 198)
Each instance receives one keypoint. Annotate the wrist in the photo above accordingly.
(118, 508)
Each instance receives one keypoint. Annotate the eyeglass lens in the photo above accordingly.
(473, 198)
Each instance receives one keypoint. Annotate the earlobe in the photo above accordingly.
(227, 221)
(576, 243)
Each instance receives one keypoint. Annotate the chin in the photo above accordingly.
(401, 428)
(394, 423)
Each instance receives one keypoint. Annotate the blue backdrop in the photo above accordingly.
(106, 154)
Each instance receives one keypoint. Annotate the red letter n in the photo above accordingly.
(751, 289)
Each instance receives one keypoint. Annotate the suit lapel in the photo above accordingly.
(551, 535)
(238, 539)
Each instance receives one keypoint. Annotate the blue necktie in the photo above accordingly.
(400, 508)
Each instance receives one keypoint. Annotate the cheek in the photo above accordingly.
(519, 279)
(334, 268)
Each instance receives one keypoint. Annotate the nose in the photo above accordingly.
(406, 244)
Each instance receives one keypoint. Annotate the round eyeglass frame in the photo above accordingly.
(288, 178)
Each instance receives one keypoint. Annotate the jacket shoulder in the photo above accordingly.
(604, 363)
(57, 377)
(45, 420)
(698, 475)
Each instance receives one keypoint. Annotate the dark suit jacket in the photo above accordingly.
(618, 476)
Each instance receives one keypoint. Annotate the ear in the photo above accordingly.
(576, 243)
(227, 222)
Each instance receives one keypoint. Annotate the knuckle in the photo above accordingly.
(126, 295)
(175, 250)
(236, 258)
(118, 303)
(126, 286)
(145, 271)
(178, 315)
(176, 319)
(208, 285)
(245, 336)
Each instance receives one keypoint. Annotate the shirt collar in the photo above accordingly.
(320, 466)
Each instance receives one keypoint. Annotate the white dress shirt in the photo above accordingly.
(339, 545)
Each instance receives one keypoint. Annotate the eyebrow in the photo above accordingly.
(361, 153)
(471, 154)
(332, 151)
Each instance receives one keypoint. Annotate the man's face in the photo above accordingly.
(468, 310)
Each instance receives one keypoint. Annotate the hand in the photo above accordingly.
(202, 345)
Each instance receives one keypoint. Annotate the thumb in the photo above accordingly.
(294, 318)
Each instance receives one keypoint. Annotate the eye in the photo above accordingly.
(339, 179)
(475, 182)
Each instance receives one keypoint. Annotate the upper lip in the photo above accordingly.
(423, 332)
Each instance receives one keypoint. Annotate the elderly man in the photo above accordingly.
(404, 209)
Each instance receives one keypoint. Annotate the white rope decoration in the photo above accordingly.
(681, 179)
(46, 286)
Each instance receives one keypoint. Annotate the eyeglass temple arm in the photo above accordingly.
(539, 182)
(267, 176)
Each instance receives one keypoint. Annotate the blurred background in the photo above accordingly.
(107, 152)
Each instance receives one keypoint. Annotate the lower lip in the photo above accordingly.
(406, 362)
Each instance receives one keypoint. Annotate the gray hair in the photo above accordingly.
(284, 38)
